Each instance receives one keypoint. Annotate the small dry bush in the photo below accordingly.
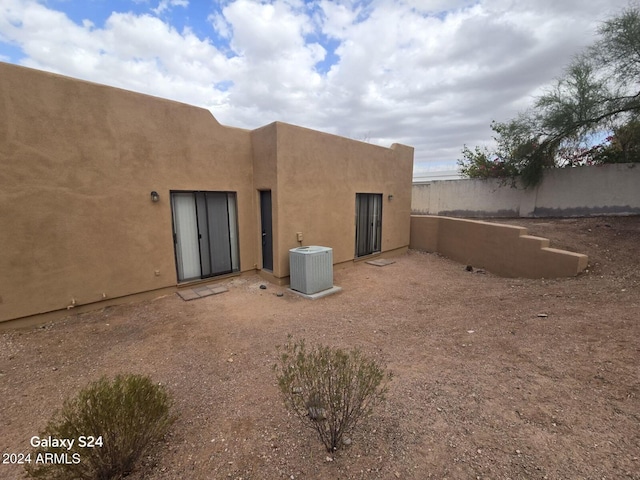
(330, 389)
(120, 420)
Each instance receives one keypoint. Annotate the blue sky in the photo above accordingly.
(428, 73)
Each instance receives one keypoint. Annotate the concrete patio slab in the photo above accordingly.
(200, 292)
(381, 262)
(187, 295)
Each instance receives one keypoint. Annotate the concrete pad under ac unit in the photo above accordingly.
(314, 296)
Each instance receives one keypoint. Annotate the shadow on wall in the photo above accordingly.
(501, 249)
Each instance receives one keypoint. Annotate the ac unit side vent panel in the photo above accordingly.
(311, 269)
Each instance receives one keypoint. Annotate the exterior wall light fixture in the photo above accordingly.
(390, 197)
(155, 196)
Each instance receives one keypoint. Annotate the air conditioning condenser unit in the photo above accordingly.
(311, 269)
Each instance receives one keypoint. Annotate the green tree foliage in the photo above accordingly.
(479, 163)
(329, 389)
(599, 92)
(123, 418)
(623, 146)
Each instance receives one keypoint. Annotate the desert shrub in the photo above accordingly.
(120, 419)
(330, 389)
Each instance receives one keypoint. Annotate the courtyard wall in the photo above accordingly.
(565, 192)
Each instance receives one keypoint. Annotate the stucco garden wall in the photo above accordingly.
(568, 192)
(505, 250)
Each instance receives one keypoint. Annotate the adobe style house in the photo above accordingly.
(80, 226)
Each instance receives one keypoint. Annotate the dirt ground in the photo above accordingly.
(484, 387)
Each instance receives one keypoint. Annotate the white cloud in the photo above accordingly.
(139, 52)
(275, 71)
(337, 18)
(263, 30)
(220, 25)
(429, 73)
(169, 4)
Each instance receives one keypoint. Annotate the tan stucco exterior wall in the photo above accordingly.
(318, 177)
(505, 250)
(78, 162)
(265, 177)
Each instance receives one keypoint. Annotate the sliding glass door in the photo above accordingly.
(368, 223)
(205, 234)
